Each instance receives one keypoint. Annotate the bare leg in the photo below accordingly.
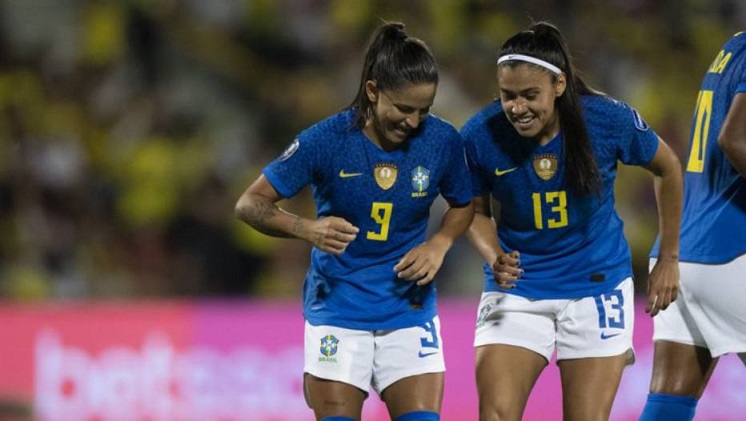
(505, 376)
(423, 392)
(589, 386)
(329, 398)
(680, 369)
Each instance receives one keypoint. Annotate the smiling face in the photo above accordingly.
(528, 94)
(396, 114)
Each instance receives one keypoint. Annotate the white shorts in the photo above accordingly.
(599, 326)
(376, 359)
(710, 310)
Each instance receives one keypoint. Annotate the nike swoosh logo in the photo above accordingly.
(422, 355)
(498, 172)
(604, 336)
(344, 174)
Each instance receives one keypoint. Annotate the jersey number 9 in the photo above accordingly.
(381, 213)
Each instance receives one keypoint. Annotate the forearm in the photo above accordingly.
(668, 193)
(455, 222)
(267, 218)
(482, 234)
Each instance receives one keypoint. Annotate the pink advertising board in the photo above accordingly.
(242, 360)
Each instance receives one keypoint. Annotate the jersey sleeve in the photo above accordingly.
(456, 187)
(639, 143)
(294, 168)
(470, 135)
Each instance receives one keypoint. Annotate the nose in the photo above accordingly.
(412, 121)
(518, 107)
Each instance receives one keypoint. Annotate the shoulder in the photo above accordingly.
(437, 125)
(329, 131)
(436, 133)
(607, 111)
(736, 42)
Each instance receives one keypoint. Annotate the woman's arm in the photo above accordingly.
(482, 235)
(663, 282)
(423, 262)
(257, 207)
(732, 137)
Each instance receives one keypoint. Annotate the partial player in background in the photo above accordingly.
(558, 269)
(375, 170)
(709, 318)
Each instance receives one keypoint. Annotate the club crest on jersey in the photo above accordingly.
(328, 348)
(290, 150)
(385, 175)
(545, 166)
(640, 124)
(420, 181)
(483, 313)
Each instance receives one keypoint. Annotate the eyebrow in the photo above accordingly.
(524, 91)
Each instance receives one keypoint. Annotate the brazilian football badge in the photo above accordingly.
(385, 175)
(545, 165)
(420, 181)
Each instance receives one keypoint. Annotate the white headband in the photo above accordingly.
(539, 62)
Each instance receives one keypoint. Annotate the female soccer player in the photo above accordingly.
(375, 170)
(558, 271)
(709, 319)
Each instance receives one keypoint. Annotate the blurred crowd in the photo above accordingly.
(128, 128)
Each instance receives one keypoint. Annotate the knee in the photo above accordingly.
(493, 412)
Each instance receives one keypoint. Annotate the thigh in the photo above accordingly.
(598, 326)
(681, 369)
(508, 319)
(423, 392)
(330, 398)
(714, 295)
(410, 353)
(505, 376)
(514, 340)
(338, 367)
(589, 386)
(677, 323)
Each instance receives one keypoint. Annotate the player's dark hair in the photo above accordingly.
(544, 41)
(393, 59)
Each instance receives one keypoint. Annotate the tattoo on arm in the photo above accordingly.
(297, 226)
(260, 212)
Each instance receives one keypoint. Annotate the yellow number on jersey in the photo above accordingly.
(381, 213)
(701, 129)
(558, 201)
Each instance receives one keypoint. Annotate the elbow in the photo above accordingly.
(240, 211)
(728, 142)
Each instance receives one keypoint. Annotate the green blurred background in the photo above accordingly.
(128, 129)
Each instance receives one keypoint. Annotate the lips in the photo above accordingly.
(401, 133)
(523, 122)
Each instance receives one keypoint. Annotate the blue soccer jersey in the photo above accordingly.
(571, 246)
(387, 195)
(713, 225)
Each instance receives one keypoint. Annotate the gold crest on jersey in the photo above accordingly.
(545, 166)
(385, 175)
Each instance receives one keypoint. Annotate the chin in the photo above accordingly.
(526, 132)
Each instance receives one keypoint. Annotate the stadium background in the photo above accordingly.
(128, 129)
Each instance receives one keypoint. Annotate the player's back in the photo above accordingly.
(714, 218)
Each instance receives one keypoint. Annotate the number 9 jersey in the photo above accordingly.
(571, 246)
(387, 195)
